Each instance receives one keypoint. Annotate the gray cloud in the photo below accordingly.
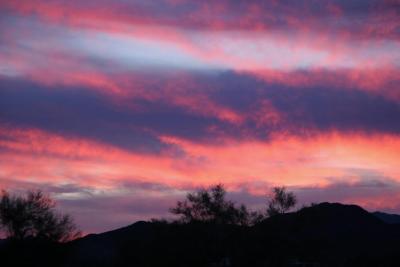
(89, 114)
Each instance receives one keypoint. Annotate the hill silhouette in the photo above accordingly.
(387, 218)
(326, 234)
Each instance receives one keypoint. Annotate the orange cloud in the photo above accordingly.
(44, 157)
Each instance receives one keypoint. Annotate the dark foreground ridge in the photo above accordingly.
(327, 234)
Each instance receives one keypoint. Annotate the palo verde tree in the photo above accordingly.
(281, 201)
(34, 216)
(210, 205)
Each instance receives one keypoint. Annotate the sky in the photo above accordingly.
(118, 108)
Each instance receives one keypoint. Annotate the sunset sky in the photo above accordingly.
(118, 108)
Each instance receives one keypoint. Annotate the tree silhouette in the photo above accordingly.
(210, 206)
(33, 216)
(281, 201)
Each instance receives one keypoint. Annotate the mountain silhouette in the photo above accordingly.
(387, 218)
(345, 235)
(326, 234)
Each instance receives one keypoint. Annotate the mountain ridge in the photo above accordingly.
(326, 229)
(325, 234)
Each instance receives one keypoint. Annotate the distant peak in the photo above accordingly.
(387, 217)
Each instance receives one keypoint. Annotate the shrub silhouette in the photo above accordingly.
(211, 206)
(33, 216)
(281, 201)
